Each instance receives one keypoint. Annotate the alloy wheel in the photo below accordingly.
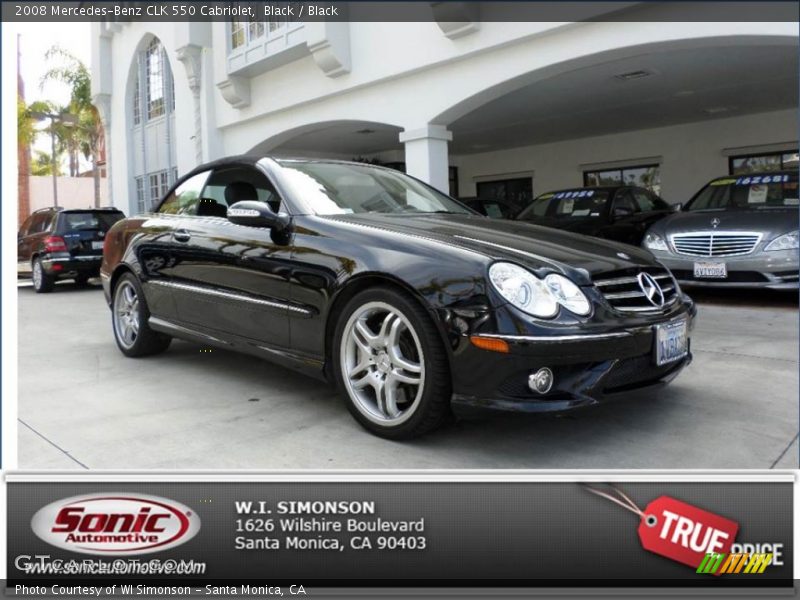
(382, 363)
(126, 314)
(37, 274)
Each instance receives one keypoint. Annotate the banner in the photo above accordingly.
(398, 534)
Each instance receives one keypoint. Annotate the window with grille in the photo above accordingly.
(155, 77)
(646, 176)
(141, 205)
(237, 34)
(753, 163)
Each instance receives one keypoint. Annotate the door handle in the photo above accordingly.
(181, 235)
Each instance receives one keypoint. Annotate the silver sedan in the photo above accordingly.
(738, 231)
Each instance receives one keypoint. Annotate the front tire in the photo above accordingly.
(390, 365)
(129, 319)
(42, 282)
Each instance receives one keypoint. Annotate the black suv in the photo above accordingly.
(54, 243)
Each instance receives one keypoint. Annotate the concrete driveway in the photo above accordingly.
(83, 405)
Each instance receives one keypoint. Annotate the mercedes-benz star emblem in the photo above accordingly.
(652, 291)
(715, 223)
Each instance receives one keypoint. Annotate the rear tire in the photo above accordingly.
(390, 365)
(129, 320)
(42, 282)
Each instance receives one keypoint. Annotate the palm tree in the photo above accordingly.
(84, 137)
(42, 163)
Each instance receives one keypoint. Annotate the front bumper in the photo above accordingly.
(769, 270)
(587, 369)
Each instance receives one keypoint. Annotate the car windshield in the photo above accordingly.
(569, 204)
(340, 188)
(761, 192)
(89, 221)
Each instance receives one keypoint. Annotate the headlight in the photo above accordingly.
(785, 242)
(535, 296)
(523, 289)
(567, 294)
(653, 241)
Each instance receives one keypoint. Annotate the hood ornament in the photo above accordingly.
(715, 222)
(652, 291)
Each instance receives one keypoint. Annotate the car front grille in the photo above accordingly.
(715, 243)
(623, 291)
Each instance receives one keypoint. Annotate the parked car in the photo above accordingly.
(493, 207)
(619, 213)
(55, 244)
(735, 232)
(406, 299)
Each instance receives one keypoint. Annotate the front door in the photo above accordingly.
(232, 278)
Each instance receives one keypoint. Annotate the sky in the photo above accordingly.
(34, 41)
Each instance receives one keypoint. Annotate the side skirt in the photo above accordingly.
(280, 356)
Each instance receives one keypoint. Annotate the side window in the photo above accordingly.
(644, 200)
(39, 223)
(624, 203)
(26, 226)
(185, 199)
(228, 186)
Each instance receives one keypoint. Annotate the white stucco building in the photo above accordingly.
(490, 108)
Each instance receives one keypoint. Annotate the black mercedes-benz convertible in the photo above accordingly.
(410, 302)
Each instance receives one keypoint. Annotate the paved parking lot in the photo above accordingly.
(83, 405)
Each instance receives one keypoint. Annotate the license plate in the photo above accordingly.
(672, 342)
(710, 270)
(97, 245)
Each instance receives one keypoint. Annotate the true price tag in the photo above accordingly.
(684, 532)
(675, 529)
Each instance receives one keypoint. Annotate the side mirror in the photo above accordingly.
(253, 213)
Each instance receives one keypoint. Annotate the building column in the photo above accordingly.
(191, 57)
(426, 155)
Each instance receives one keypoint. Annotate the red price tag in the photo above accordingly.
(684, 532)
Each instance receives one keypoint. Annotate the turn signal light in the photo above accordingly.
(55, 243)
(488, 343)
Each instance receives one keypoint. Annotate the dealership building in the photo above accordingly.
(480, 108)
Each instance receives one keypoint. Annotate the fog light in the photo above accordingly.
(541, 381)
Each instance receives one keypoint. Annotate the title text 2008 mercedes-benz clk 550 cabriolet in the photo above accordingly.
(410, 302)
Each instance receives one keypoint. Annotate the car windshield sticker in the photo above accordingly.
(722, 182)
(760, 179)
(791, 202)
(575, 194)
(567, 206)
(757, 194)
(581, 213)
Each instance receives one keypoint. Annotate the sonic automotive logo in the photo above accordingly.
(118, 524)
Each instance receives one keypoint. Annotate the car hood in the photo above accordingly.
(538, 248)
(586, 226)
(772, 221)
